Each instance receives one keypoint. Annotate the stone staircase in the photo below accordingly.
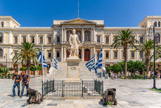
(61, 73)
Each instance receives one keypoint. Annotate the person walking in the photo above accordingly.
(25, 82)
(17, 79)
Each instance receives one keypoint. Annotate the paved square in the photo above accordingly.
(130, 94)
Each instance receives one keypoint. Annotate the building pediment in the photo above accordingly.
(77, 21)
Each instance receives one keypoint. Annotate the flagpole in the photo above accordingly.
(42, 63)
(102, 64)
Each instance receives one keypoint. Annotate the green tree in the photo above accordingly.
(125, 40)
(33, 68)
(27, 53)
(23, 68)
(147, 47)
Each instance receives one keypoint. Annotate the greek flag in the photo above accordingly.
(55, 63)
(99, 62)
(40, 59)
(91, 63)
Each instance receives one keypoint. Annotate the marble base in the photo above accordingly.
(73, 69)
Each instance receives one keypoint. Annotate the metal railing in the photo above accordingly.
(83, 88)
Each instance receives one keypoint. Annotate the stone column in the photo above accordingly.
(94, 51)
(54, 52)
(128, 54)
(91, 52)
(45, 53)
(37, 38)
(111, 40)
(91, 35)
(10, 37)
(82, 54)
(64, 53)
(62, 36)
(20, 38)
(45, 39)
(102, 37)
(4, 52)
(120, 53)
(10, 51)
(65, 35)
(111, 54)
(82, 35)
(61, 53)
(28, 37)
(54, 37)
(94, 35)
(4, 38)
(137, 55)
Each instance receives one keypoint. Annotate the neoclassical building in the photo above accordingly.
(92, 33)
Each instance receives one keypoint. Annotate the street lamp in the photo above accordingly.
(154, 35)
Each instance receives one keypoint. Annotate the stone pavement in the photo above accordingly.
(130, 94)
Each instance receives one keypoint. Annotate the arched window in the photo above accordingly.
(58, 39)
(157, 38)
(87, 35)
(79, 35)
(1, 53)
(159, 24)
(1, 37)
(155, 24)
(68, 34)
(2, 24)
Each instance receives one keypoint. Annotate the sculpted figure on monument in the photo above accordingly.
(75, 43)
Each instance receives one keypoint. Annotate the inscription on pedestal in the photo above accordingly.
(73, 69)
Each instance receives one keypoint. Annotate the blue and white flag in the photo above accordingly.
(91, 63)
(99, 62)
(40, 59)
(55, 63)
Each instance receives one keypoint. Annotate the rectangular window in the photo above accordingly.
(57, 54)
(49, 54)
(32, 39)
(1, 39)
(24, 38)
(1, 53)
(49, 40)
(115, 54)
(107, 39)
(2, 24)
(16, 39)
(98, 39)
(123, 55)
(58, 39)
(132, 54)
(107, 54)
(15, 52)
(141, 54)
(141, 39)
(41, 40)
(133, 37)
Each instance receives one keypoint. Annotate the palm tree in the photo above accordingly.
(125, 40)
(27, 53)
(147, 47)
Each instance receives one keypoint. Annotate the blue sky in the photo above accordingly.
(115, 13)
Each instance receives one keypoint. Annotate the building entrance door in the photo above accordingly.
(87, 55)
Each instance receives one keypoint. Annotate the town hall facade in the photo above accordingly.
(92, 34)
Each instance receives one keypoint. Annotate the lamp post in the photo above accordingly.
(154, 35)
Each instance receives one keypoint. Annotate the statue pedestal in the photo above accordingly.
(73, 69)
